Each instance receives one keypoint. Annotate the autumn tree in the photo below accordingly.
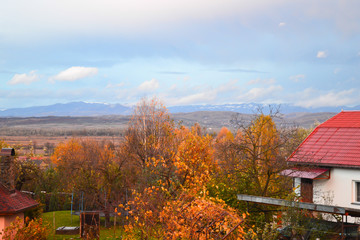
(26, 174)
(176, 205)
(251, 161)
(194, 160)
(185, 217)
(93, 168)
(150, 132)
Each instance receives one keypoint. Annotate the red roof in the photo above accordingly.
(335, 142)
(12, 202)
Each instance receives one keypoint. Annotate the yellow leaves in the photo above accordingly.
(148, 214)
(194, 159)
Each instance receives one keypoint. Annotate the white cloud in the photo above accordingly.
(197, 98)
(262, 81)
(149, 86)
(313, 98)
(75, 73)
(229, 86)
(24, 78)
(111, 85)
(321, 54)
(297, 78)
(282, 24)
(261, 94)
(201, 93)
(337, 70)
(125, 17)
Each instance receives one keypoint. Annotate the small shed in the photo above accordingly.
(13, 203)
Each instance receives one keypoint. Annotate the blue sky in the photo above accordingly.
(302, 52)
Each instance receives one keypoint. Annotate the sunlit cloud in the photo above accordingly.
(149, 86)
(262, 81)
(261, 94)
(282, 24)
(322, 54)
(312, 98)
(24, 78)
(129, 17)
(229, 86)
(196, 98)
(112, 86)
(337, 70)
(297, 78)
(74, 73)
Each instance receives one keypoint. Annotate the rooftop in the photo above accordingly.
(14, 201)
(336, 142)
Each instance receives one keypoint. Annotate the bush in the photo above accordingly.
(32, 229)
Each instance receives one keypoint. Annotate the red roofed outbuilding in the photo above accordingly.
(327, 163)
(13, 203)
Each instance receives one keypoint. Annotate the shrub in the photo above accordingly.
(32, 229)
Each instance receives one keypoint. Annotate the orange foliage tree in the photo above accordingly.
(93, 168)
(175, 165)
(176, 206)
(184, 217)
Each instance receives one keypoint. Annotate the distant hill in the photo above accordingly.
(250, 108)
(100, 109)
(68, 109)
(212, 120)
(217, 119)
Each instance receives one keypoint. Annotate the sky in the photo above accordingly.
(300, 52)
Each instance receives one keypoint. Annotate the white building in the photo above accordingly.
(327, 163)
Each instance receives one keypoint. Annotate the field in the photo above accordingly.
(44, 145)
(42, 133)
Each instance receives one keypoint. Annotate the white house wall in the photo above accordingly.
(297, 186)
(339, 190)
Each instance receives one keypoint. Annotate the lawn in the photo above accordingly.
(64, 218)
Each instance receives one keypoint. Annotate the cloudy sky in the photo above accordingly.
(304, 52)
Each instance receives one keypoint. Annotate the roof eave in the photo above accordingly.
(327, 165)
(2, 213)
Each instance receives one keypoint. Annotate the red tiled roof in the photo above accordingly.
(14, 202)
(334, 142)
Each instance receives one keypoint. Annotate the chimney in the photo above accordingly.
(6, 168)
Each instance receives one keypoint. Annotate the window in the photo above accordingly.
(357, 191)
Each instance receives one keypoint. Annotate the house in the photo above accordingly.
(13, 203)
(326, 165)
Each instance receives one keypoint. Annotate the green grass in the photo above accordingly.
(63, 218)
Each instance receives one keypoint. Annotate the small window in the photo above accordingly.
(357, 191)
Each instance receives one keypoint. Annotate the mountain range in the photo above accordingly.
(101, 109)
